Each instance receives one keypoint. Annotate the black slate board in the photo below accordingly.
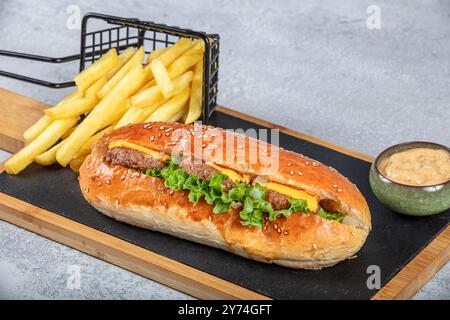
(394, 241)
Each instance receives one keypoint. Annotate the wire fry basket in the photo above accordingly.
(100, 32)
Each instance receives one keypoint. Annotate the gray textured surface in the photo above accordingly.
(315, 68)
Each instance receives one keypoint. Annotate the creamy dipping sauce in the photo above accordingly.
(417, 167)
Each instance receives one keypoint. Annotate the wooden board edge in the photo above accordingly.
(11, 140)
(407, 282)
(121, 253)
(294, 133)
(10, 144)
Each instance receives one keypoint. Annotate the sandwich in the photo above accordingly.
(227, 190)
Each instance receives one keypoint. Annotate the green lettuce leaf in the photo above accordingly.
(252, 197)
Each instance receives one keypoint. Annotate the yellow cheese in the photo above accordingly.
(293, 193)
(129, 145)
(233, 175)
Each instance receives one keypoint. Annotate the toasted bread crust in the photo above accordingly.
(299, 241)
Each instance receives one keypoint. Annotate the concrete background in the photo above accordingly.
(316, 68)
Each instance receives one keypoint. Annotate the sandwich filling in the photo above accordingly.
(220, 187)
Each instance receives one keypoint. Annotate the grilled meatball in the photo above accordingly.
(277, 200)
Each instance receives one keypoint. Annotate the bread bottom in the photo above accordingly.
(207, 234)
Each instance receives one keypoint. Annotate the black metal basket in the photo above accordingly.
(121, 33)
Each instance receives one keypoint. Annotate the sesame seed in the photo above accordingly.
(289, 164)
(116, 201)
(307, 163)
(292, 172)
(334, 186)
(314, 246)
(275, 226)
(286, 232)
(171, 192)
(108, 181)
(161, 128)
(315, 164)
(300, 173)
(159, 135)
(122, 177)
(99, 184)
(279, 231)
(339, 190)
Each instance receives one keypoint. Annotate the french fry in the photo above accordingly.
(147, 86)
(155, 54)
(147, 97)
(135, 115)
(36, 129)
(68, 132)
(153, 95)
(123, 58)
(87, 147)
(135, 61)
(102, 113)
(43, 142)
(198, 47)
(171, 107)
(96, 70)
(76, 163)
(76, 108)
(131, 116)
(149, 110)
(32, 132)
(162, 77)
(173, 52)
(117, 114)
(183, 64)
(93, 90)
(195, 101)
(179, 115)
(48, 157)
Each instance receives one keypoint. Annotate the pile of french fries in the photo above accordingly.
(116, 90)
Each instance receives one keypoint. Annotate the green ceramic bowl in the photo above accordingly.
(410, 200)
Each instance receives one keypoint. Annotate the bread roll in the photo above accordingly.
(298, 241)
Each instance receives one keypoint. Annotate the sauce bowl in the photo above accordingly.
(407, 199)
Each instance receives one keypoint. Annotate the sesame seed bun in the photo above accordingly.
(299, 241)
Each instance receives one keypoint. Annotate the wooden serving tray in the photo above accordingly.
(402, 279)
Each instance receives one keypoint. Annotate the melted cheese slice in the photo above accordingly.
(125, 144)
(312, 201)
(233, 175)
